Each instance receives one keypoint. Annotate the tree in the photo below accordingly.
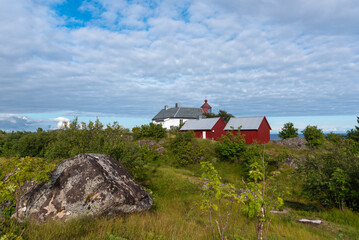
(288, 131)
(354, 133)
(261, 195)
(222, 114)
(314, 136)
(331, 178)
(218, 199)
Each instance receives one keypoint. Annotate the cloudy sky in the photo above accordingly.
(121, 60)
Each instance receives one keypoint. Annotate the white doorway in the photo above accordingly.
(204, 134)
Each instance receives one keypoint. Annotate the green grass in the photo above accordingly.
(176, 213)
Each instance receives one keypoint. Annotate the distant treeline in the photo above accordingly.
(73, 139)
(329, 172)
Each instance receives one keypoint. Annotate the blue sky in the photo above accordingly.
(121, 60)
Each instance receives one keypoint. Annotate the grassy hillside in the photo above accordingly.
(173, 177)
(176, 215)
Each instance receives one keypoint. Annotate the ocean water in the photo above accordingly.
(276, 137)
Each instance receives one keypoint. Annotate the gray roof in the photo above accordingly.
(179, 112)
(247, 123)
(201, 124)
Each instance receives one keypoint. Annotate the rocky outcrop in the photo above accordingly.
(88, 184)
(152, 145)
(296, 143)
(291, 161)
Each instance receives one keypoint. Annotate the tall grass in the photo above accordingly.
(176, 215)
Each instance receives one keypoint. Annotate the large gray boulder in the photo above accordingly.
(87, 184)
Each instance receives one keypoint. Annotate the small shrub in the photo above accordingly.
(110, 236)
(129, 154)
(231, 147)
(218, 200)
(334, 137)
(314, 136)
(20, 171)
(185, 149)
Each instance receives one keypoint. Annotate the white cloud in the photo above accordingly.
(13, 122)
(262, 57)
(60, 121)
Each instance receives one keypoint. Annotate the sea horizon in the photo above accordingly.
(275, 136)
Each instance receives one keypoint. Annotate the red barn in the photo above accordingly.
(255, 129)
(208, 128)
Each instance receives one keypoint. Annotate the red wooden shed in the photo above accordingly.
(208, 128)
(255, 129)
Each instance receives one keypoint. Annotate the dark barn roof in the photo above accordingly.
(178, 112)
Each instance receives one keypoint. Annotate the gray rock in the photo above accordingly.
(284, 211)
(290, 161)
(87, 184)
(152, 145)
(296, 143)
(310, 221)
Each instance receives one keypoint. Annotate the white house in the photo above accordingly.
(174, 117)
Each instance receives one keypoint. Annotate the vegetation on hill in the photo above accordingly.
(288, 131)
(194, 184)
(354, 133)
(332, 178)
(314, 136)
(151, 131)
(221, 113)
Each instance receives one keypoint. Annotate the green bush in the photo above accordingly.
(32, 144)
(185, 149)
(288, 131)
(334, 137)
(332, 178)
(354, 133)
(9, 140)
(17, 171)
(150, 131)
(76, 138)
(130, 155)
(231, 147)
(313, 136)
(111, 236)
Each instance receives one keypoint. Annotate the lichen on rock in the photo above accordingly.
(87, 184)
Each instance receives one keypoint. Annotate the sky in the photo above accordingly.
(292, 61)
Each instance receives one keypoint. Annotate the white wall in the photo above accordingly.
(169, 122)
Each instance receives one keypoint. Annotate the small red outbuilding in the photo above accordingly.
(208, 128)
(255, 129)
